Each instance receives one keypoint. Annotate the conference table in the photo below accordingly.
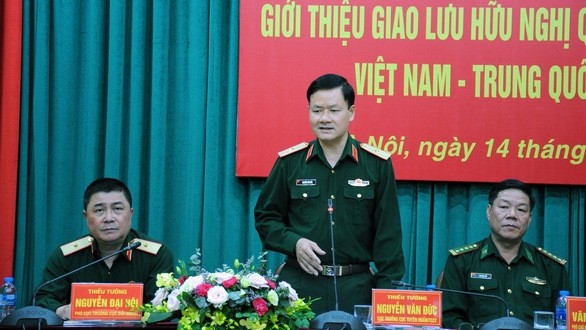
(125, 325)
(84, 325)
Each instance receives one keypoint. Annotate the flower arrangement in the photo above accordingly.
(242, 297)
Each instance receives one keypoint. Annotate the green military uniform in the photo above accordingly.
(367, 227)
(531, 282)
(140, 265)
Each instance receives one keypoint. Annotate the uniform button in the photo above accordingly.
(333, 171)
(537, 293)
(509, 291)
(482, 287)
(359, 195)
(305, 195)
(509, 268)
(512, 313)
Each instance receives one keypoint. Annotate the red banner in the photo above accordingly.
(455, 90)
(10, 65)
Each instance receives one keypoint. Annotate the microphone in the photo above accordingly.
(336, 319)
(128, 248)
(399, 283)
(37, 316)
(505, 322)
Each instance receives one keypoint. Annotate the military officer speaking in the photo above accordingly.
(333, 189)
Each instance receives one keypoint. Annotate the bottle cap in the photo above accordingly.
(564, 293)
(9, 279)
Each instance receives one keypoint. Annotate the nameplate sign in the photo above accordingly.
(576, 313)
(406, 307)
(106, 301)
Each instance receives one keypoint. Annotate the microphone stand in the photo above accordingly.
(503, 323)
(331, 213)
(335, 319)
(38, 316)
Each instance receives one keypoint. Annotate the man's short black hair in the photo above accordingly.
(105, 185)
(331, 81)
(511, 184)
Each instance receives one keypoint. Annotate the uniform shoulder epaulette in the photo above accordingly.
(464, 249)
(552, 256)
(375, 151)
(293, 149)
(76, 245)
(147, 246)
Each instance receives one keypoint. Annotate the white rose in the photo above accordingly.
(191, 283)
(292, 293)
(257, 281)
(160, 296)
(221, 277)
(217, 295)
(172, 301)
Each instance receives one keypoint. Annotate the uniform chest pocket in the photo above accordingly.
(359, 193)
(360, 203)
(304, 193)
(304, 202)
(539, 295)
(482, 285)
(484, 305)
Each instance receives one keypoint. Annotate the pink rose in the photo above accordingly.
(257, 281)
(271, 284)
(202, 289)
(217, 295)
(230, 282)
(260, 306)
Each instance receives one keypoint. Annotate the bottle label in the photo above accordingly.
(9, 299)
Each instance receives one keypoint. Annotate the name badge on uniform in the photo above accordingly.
(305, 182)
(482, 276)
(358, 183)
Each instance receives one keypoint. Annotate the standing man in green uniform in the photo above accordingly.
(333, 189)
(108, 213)
(526, 277)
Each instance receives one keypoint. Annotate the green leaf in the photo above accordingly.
(159, 317)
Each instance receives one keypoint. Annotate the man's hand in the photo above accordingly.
(63, 311)
(306, 252)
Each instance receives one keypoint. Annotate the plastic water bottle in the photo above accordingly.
(9, 295)
(2, 304)
(560, 310)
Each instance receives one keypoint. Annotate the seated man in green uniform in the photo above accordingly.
(526, 277)
(108, 213)
(337, 178)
